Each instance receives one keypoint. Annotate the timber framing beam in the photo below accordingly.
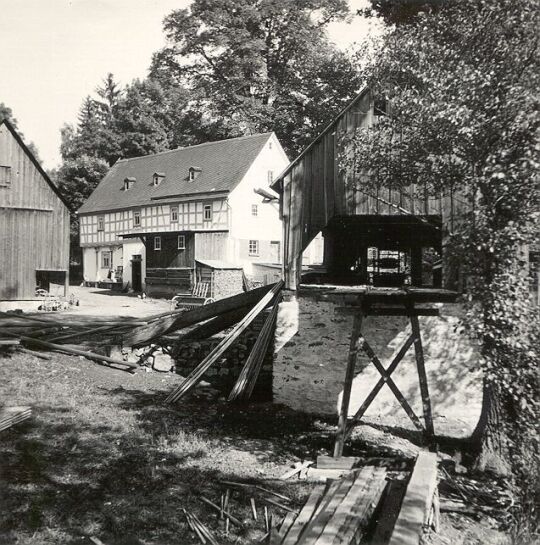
(358, 342)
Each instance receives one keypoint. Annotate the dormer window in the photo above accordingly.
(129, 182)
(193, 173)
(158, 178)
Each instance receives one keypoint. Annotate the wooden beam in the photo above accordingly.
(392, 385)
(422, 377)
(181, 319)
(347, 385)
(382, 381)
(195, 377)
(415, 508)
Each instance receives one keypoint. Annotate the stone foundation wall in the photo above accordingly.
(223, 375)
(312, 343)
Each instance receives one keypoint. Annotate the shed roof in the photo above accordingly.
(222, 165)
(217, 264)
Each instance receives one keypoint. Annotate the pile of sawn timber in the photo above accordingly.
(366, 505)
(92, 337)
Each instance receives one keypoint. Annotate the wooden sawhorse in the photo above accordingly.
(358, 341)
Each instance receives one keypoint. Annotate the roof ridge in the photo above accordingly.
(194, 146)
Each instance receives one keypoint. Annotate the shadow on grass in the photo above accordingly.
(64, 479)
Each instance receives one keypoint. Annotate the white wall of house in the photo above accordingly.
(94, 269)
(131, 247)
(251, 218)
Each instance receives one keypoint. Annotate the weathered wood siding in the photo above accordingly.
(316, 189)
(34, 223)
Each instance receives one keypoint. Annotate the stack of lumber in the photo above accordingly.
(92, 336)
(9, 416)
(338, 513)
(375, 505)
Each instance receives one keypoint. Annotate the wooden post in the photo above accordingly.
(347, 385)
(419, 354)
(416, 265)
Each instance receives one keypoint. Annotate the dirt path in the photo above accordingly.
(98, 302)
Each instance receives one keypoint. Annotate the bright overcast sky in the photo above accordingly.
(55, 52)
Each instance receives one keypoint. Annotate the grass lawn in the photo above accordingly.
(103, 456)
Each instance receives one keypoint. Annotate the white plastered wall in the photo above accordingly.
(92, 261)
(266, 226)
(133, 247)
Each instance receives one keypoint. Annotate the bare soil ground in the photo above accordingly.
(103, 455)
(99, 302)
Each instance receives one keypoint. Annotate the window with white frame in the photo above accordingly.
(157, 243)
(181, 242)
(253, 247)
(174, 214)
(101, 223)
(207, 212)
(270, 176)
(137, 218)
(191, 175)
(106, 260)
(254, 210)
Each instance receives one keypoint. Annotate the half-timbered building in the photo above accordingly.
(154, 219)
(34, 225)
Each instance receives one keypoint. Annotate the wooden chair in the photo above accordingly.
(197, 298)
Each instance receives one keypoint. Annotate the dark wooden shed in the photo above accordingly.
(387, 237)
(34, 224)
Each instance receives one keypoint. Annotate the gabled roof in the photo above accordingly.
(35, 162)
(223, 164)
(278, 182)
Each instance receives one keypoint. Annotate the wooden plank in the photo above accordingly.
(310, 510)
(197, 374)
(416, 505)
(420, 365)
(214, 325)
(340, 462)
(295, 470)
(302, 522)
(181, 319)
(354, 513)
(329, 504)
(388, 512)
(315, 473)
(245, 384)
(347, 385)
(71, 350)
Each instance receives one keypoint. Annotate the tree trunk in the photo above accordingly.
(491, 435)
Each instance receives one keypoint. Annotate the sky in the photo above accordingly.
(53, 53)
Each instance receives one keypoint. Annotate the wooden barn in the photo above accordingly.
(34, 224)
(359, 321)
(382, 238)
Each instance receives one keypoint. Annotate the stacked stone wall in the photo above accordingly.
(313, 337)
(223, 375)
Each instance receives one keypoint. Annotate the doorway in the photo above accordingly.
(136, 272)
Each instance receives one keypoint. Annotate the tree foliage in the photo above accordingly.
(259, 65)
(404, 11)
(7, 113)
(464, 115)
